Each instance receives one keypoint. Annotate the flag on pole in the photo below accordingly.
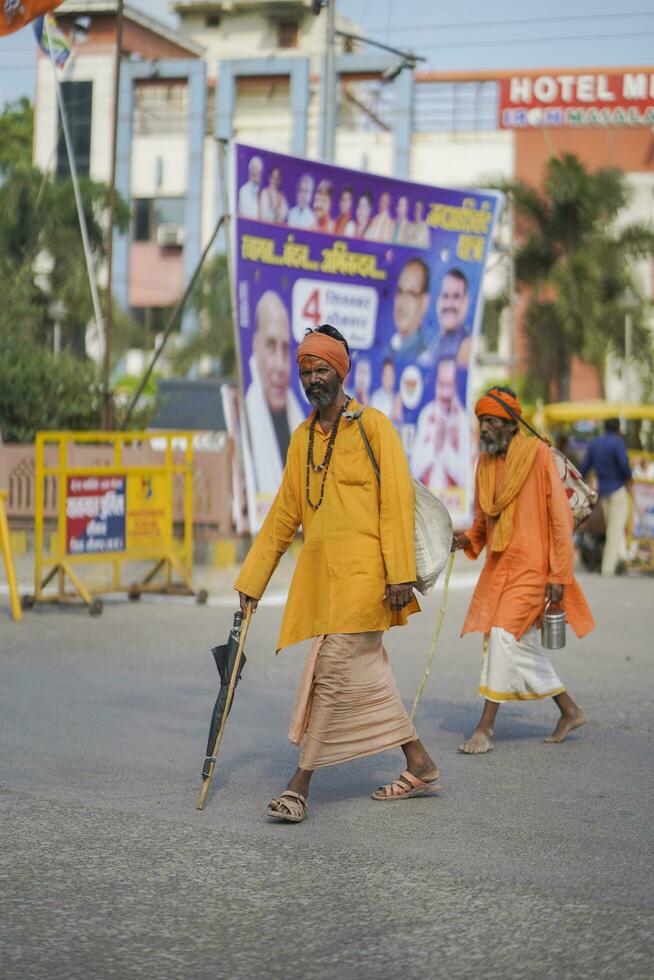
(56, 38)
(15, 14)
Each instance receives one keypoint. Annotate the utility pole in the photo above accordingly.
(329, 93)
(107, 401)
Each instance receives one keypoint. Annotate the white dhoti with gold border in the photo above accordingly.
(516, 670)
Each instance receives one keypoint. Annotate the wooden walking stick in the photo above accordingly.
(437, 633)
(233, 680)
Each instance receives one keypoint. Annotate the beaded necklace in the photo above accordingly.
(324, 466)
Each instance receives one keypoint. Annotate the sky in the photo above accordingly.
(523, 34)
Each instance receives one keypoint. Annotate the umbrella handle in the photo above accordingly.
(204, 789)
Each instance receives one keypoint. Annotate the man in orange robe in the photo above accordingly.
(354, 578)
(523, 518)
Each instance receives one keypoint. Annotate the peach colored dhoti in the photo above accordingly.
(347, 704)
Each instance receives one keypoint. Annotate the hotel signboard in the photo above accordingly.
(575, 100)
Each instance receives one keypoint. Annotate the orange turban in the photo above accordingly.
(329, 350)
(488, 406)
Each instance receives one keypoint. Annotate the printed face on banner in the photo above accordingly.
(95, 514)
(397, 267)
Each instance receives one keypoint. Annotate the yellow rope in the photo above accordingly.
(437, 633)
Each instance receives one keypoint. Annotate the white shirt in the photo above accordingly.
(383, 401)
(445, 466)
(301, 218)
(266, 457)
(248, 200)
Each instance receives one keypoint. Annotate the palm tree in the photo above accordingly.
(574, 261)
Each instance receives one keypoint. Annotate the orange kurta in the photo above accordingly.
(357, 542)
(510, 592)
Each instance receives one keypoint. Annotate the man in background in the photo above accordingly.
(301, 215)
(607, 457)
(440, 451)
(248, 195)
(271, 407)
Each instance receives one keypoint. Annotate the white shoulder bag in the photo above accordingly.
(433, 525)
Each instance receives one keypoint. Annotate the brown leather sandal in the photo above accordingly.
(406, 787)
(288, 806)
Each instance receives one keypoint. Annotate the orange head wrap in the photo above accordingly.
(329, 350)
(488, 406)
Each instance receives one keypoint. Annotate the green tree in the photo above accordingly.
(41, 390)
(16, 128)
(42, 260)
(39, 227)
(576, 263)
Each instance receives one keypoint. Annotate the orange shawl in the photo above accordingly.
(519, 460)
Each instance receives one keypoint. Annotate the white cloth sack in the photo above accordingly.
(433, 530)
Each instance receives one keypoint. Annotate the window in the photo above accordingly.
(77, 98)
(160, 108)
(168, 211)
(212, 20)
(142, 219)
(287, 33)
(153, 318)
(148, 213)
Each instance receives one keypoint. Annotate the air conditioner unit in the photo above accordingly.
(170, 236)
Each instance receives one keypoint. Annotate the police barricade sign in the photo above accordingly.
(119, 510)
(397, 267)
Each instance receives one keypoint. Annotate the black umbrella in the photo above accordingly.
(230, 661)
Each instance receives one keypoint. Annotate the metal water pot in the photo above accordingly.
(552, 630)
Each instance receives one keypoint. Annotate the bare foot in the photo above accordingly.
(478, 744)
(565, 725)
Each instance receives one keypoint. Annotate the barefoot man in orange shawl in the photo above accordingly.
(523, 518)
(353, 580)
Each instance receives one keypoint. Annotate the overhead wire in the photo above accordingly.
(514, 21)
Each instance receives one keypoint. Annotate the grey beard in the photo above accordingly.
(322, 399)
(496, 446)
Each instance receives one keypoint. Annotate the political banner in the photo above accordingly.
(394, 265)
(95, 515)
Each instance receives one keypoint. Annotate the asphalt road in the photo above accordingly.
(535, 861)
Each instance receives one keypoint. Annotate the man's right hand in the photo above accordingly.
(247, 600)
(460, 541)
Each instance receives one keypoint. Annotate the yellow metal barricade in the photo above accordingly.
(5, 549)
(119, 512)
